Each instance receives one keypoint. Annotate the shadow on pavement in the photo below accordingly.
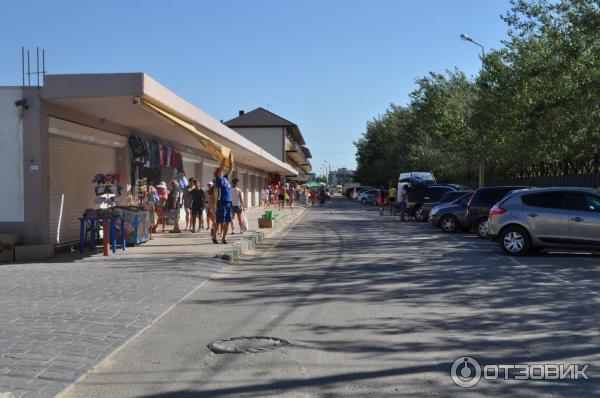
(460, 287)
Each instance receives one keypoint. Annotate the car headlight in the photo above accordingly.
(434, 211)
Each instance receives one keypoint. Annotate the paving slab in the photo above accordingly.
(61, 317)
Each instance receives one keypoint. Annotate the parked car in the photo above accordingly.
(361, 189)
(365, 196)
(414, 178)
(480, 204)
(546, 218)
(448, 197)
(451, 217)
(425, 193)
(370, 197)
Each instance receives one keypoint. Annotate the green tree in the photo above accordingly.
(540, 94)
(536, 100)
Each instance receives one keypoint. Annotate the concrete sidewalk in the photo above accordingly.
(62, 317)
(200, 244)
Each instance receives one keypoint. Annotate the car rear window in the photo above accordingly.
(491, 196)
(451, 196)
(464, 199)
(549, 200)
(436, 193)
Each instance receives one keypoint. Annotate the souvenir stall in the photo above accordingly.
(116, 225)
(153, 166)
(154, 161)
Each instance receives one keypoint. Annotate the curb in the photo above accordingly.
(252, 238)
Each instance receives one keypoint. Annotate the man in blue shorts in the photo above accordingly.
(223, 214)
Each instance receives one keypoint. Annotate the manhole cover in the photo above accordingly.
(246, 345)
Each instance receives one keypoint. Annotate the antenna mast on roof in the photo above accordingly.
(37, 72)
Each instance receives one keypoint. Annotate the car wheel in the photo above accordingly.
(515, 241)
(363, 201)
(481, 228)
(448, 224)
(419, 214)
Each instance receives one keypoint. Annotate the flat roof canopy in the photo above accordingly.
(114, 97)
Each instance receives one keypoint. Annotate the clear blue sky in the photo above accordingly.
(327, 65)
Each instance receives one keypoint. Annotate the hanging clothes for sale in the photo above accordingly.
(220, 152)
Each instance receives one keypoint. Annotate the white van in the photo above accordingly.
(414, 177)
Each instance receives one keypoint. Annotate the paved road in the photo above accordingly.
(370, 306)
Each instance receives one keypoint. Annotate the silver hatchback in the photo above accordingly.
(541, 218)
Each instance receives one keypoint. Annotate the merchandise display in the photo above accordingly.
(129, 225)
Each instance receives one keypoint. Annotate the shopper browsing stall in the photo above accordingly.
(161, 204)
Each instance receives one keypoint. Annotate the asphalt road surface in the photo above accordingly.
(370, 306)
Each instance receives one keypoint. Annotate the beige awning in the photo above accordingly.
(220, 152)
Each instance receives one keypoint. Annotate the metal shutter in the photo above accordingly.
(73, 165)
(208, 170)
(189, 168)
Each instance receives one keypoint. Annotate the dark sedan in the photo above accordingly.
(451, 217)
(448, 197)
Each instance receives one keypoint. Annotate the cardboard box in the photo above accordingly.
(262, 223)
(33, 252)
(7, 246)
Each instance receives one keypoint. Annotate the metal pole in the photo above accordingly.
(28, 70)
(37, 67)
(43, 65)
(482, 157)
(23, 64)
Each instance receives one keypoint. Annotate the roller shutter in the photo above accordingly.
(73, 165)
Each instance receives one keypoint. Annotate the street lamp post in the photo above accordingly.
(327, 173)
(481, 159)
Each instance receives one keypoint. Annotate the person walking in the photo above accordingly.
(392, 199)
(173, 205)
(161, 205)
(210, 206)
(223, 214)
(402, 201)
(186, 197)
(196, 206)
(266, 193)
(237, 203)
(290, 194)
(281, 196)
(381, 200)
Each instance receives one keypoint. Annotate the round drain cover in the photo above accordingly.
(246, 345)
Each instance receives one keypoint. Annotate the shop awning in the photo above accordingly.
(220, 152)
(114, 99)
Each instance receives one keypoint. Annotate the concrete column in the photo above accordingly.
(257, 189)
(246, 189)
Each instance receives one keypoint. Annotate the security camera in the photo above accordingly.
(136, 100)
(22, 103)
